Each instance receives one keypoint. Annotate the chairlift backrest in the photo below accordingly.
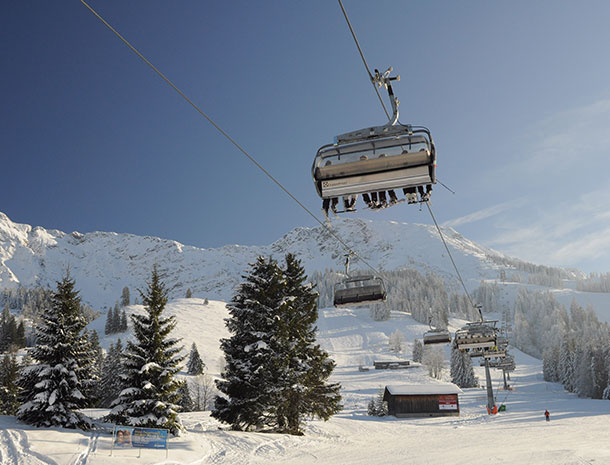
(360, 290)
(406, 158)
(437, 337)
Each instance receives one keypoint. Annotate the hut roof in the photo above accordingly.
(423, 389)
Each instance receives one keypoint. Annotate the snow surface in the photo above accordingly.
(576, 434)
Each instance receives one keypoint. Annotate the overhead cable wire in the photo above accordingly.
(366, 66)
(450, 256)
(229, 138)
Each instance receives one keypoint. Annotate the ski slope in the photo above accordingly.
(576, 434)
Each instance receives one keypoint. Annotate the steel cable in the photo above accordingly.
(230, 139)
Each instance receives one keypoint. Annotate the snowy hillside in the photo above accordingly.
(576, 434)
(102, 263)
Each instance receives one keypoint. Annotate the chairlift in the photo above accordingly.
(507, 363)
(436, 336)
(477, 338)
(358, 290)
(376, 160)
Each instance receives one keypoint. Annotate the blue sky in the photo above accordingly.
(516, 94)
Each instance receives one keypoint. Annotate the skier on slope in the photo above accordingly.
(547, 415)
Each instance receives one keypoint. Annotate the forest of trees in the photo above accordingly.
(66, 370)
(51, 385)
(595, 282)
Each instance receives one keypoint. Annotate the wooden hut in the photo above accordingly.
(422, 400)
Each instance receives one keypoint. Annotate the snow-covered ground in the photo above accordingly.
(576, 434)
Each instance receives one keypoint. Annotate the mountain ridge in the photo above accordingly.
(102, 263)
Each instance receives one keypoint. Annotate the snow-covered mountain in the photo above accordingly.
(102, 263)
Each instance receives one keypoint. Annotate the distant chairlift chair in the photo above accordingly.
(436, 336)
(358, 290)
(479, 339)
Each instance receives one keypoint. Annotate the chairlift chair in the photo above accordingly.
(477, 337)
(437, 337)
(376, 159)
(359, 290)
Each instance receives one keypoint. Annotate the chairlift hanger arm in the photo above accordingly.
(384, 79)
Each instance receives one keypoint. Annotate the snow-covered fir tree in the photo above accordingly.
(111, 382)
(123, 323)
(304, 390)
(194, 365)
(54, 384)
(550, 364)
(248, 378)
(185, 401)
(462, 372)
(150, 398)
(418, 351)
(108, 329)
(125, 298)
(377, 406)
(434, 359)
(396, 341)
(275, 374)
(9, 389)
(96, 362)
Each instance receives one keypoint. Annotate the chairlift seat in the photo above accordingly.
(404, 159)
(436, 337)
(363, 290)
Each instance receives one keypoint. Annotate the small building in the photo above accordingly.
(391, 364)
(422, 400)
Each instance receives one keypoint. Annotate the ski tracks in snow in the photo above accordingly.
(15, 450)
(91, 448)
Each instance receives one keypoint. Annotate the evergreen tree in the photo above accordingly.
(125, 299)
(418, 350)
(20, 339)
(123, 325)
(9, 389)
(550, 364)
(195, 365)
(462, 372)
(377, 406)
(9, 334)
(396, 341)
(109, 319)
(116, 319)
(95, 355)
(275, 374)
(249, 352)
(111, 382)
(189, 293)
(185, 401)
(304, 366)
(54, 384)
(151, 363)
(567, 363)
